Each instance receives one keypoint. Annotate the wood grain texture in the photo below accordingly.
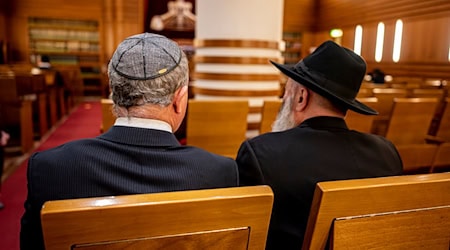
(334, 199)
(158, 217)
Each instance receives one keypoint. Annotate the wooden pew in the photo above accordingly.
(218, 126)
(16, 114)
(417, 158)
(223, 218)
(108, 117)
(345, 198)
(410, 120)
(360, 122)
(385, 97)
(426, 228)
(441, 160)
(269, 113)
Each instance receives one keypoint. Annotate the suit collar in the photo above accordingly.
(324, 122)
(140, 136)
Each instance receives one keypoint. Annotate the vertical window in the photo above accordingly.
(358, 39)
(449, 53)
(380, 41)
(397, 40)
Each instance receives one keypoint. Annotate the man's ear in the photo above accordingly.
(179, 99)
(301, 99)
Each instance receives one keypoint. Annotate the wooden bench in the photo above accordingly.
(218, 126)
(223, 218)
(16, 114)
(427, 228)
(108, 118)
(360, 122)
(383, 195)
(410, 120)
(269, 113)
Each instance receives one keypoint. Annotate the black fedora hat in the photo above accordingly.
(333, 72)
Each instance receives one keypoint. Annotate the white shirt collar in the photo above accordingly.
(143, 123)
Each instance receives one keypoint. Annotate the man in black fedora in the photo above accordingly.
(310, 141)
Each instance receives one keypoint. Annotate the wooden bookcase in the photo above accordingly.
(69, 42)
(293, 52)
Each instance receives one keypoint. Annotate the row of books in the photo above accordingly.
(60, 46)
(61, 34)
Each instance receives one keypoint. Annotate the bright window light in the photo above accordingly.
(358, 39)
(397, 40)
(449, 53)
(380, 40)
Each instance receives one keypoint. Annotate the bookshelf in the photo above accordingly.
(69, 42)
(292, 53)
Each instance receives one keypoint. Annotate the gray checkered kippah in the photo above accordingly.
(146, 56)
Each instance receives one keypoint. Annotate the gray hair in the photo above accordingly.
(128, 93)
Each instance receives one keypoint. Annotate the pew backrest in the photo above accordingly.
(427, 228)
(269, 113)
(219, 126)
(336, 199)
(222, 218)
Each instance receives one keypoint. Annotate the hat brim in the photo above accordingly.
(304, 79)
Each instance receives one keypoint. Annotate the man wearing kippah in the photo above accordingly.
(148, 77)
(310, 141)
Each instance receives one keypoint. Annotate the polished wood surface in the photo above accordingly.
(417, 158)
(335, 199)
(269, 113)
(360, 122)
(225, 218)
(443, 131)
(219, 126)
(441, 161)
(108, 118)
(410, 120)
(412, 229)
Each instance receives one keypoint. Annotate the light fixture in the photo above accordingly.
(397, 40)
(336, 33)
(380, 41)
(358, 39)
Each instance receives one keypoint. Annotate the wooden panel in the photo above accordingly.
(416, 115)
(218, 126)
(441, 161)
(334, 199)
(269, 114)
(417, 158)
(337, 13)
(108, 118)
(360, 122)
(134, 217)
(299, 15)
(220, 239)
(413, 229)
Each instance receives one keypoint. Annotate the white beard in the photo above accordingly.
(285, 118)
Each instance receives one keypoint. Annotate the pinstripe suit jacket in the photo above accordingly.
(124, 160)
(293, 161)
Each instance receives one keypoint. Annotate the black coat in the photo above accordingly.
(293, 161)
(122, 161)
